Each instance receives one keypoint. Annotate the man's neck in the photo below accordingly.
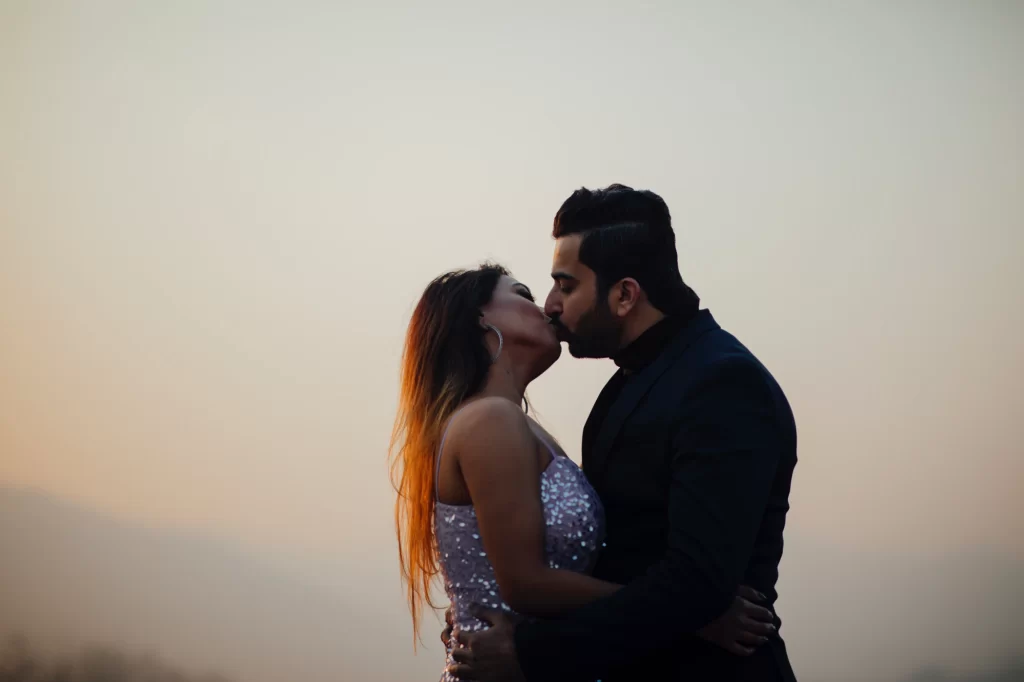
(650, 342)
(645, 318)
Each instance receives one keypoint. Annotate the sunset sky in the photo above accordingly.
(215, 219)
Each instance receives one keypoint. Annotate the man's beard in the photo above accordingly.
(597, 334)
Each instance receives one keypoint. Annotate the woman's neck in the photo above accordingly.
(502, 380)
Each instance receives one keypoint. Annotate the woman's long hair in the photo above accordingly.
(445, 361)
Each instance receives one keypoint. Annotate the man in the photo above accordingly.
(691, 446)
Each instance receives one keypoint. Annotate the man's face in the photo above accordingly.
(581, 318)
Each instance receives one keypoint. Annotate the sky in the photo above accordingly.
(216, 218)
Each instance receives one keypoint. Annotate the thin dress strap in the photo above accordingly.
(550, 446)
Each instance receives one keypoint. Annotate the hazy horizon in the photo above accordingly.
(215, 220)
(262, 614)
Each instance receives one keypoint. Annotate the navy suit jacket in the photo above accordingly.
(693, 462)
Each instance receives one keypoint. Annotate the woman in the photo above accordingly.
(486, 496)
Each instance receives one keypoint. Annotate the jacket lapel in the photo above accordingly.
(593, 424)
(636, 388)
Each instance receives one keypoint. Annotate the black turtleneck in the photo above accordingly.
(631, 360)
(646, 347)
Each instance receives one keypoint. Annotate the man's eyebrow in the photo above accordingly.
(560, 276)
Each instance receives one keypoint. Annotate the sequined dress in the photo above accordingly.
(574, 534)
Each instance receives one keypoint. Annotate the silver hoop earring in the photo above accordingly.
(501, 341)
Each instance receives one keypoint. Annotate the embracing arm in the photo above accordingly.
(497, 454)
(723, 468)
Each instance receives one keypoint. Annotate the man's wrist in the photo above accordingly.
(517, 648)
(522, 638)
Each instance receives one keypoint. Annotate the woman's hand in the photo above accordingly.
(446, 634)
(744, 627)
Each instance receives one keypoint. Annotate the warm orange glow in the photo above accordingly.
(432, 388)
(414, 443)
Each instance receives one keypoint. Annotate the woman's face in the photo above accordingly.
(523, 324)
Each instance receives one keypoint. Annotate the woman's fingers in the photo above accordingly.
(740, 649)
(750, 639)
(759, 628)
(756, 612)
(750, 593)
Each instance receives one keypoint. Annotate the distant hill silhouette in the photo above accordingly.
(20, 662)
(70, 576)
(1014, 672)
(882, 616)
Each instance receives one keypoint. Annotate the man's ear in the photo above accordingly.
(624, 295)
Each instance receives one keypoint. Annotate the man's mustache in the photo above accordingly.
(559, 327)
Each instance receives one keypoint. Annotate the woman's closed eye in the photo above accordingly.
(525, 293)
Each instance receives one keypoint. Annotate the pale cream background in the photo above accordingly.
(215, 219)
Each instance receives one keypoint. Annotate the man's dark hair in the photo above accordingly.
(628, 233)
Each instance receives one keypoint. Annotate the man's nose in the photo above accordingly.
(553, 304)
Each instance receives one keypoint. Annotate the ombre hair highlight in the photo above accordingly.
(445, 361)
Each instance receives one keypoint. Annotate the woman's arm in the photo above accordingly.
(497, 455)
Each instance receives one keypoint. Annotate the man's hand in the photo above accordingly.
(446, 634)
(488, 655)
(744, 627)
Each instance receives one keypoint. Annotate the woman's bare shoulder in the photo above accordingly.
(485, 422)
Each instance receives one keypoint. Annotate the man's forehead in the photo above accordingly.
(567, 249)
(566, 261)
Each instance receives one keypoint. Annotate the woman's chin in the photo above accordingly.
(544, 353)
(553, 353)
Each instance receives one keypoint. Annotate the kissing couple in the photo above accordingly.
(658, 559)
